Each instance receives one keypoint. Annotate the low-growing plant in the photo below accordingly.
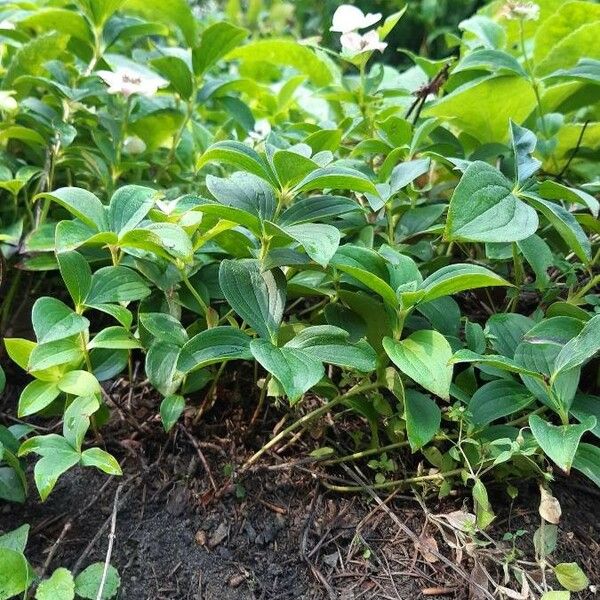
(419, 248)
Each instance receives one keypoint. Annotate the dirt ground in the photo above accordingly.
(186, 531)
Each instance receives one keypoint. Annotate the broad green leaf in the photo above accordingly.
(245, 191)
(82, 204)
(552, 190)
(497, 399)
(483, 208)
(161, 367)
(257, 296)
(216, 41)
(87, 583)
(565, 224)
(407, 172)
(16, 539)
(506, 331)
(176, 12)
(60, 586)
(14, 574)
(116, 338)
(296, 370)
(116, 284)
(587, 461)
(128, 206)
(61, 20)
(336, 178)
(493, 360)
(559, 442)
(76, 419)
(330, 344)
(53, 320)
(423, 418)
(106, 364)
(19, 350)
(560, 595)
(31, 56)
(538, 254)
(316, 208)
(165, 327)
(105, 462)
(76, 274)
(36, 396)
(239, 155)
(367, 267)
(175, 69)
(214, 345)
(171, 409)
(482, 108)
(580, 348)
(424, 356)
(78, 383)
(494, 61)
(291, 167)
(286, 52)
(319, 241)
(456, 278)
(571, 577)
(51, 354)
(585, 406)
(523, 143)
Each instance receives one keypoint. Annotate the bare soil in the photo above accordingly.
(186, 530)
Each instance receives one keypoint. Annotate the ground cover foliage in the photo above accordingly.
(418, 247)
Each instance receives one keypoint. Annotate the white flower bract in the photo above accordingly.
(355, 43)
(128, 82)
(6, 24)
(348, 18)
(527, 11)
(132, 144)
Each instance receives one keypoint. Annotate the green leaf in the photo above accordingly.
(587, 460)
(556, 596)
(165, 327)
(319, 241)
(423, 418)
(78, 383)
(406, 172)
(565, 224)
(82, 204)
(291, 167)
(105, 462)
(115, 337)
(171, 409)
(495, 61)
(14, 574)
(286, 52)
(214, 345)
(52, 354)
(76, 419)
(571, 577)
(57, 457)
(424, 356)
(493, 360)
(53, 320)
(483, 509)
(483, 208)
(316, 208)
(87, 583)
(161, 367)
(497, 399)
(15, 540)
(128, 207)
(580, 348)
(36, 396)
(330, 344)
(585, 406)
(61, 20)
(538, 254)
(523, 143)
(116, 284)
(239, 155)
(60, 586)
(30, 57)
(336, 178)
(176, 70)
(457, 278)
(559, 442)
(216, 41)
(76, 274)
(296, 370)
(483, 107)
(176, 12)
(552, 190)
(19, 350)
(506, 330)
(257, 296)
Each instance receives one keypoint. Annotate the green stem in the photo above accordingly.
(196, 295)
(307, 418)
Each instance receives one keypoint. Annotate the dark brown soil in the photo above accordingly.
(276, 533)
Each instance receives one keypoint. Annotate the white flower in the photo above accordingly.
(133, 145)
(349, 18)
(6, 24)
(528, 11)
(262, 128)
(355, 43)
(167, 206)
(7, 102)
(127, 82)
